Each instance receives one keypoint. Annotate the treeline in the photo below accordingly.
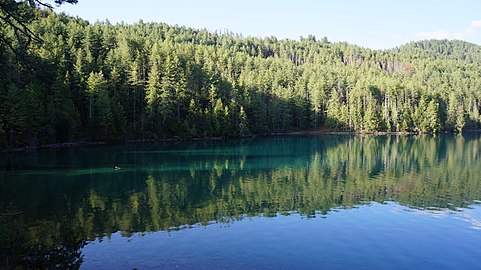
(151, 80)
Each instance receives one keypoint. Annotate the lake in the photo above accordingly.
(294, 202)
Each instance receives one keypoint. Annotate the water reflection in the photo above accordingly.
(52, 202)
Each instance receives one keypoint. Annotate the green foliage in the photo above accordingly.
(243, 122)
(105, 113)
(371, 115)
(442, 49)
(152, 80)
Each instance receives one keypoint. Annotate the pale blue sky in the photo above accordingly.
(377, 24)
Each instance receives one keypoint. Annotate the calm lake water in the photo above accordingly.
(307, 202)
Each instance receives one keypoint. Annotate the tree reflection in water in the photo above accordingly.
(53, 202)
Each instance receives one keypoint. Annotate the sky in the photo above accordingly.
(375, 24)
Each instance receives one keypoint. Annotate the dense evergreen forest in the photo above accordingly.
(84, 81)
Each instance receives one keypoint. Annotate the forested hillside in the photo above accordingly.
(100, 81)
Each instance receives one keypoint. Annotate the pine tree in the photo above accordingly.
(101, 107)
(333, 110)
(432, 116)
(153, 97)
(371, 116)
(243, 122)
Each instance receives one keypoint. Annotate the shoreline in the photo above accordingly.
(177, 139)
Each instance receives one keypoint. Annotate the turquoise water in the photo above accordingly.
(306, 202)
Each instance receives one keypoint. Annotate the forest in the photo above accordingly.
(82, 81)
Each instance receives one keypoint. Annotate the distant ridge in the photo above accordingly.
(441, 49)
